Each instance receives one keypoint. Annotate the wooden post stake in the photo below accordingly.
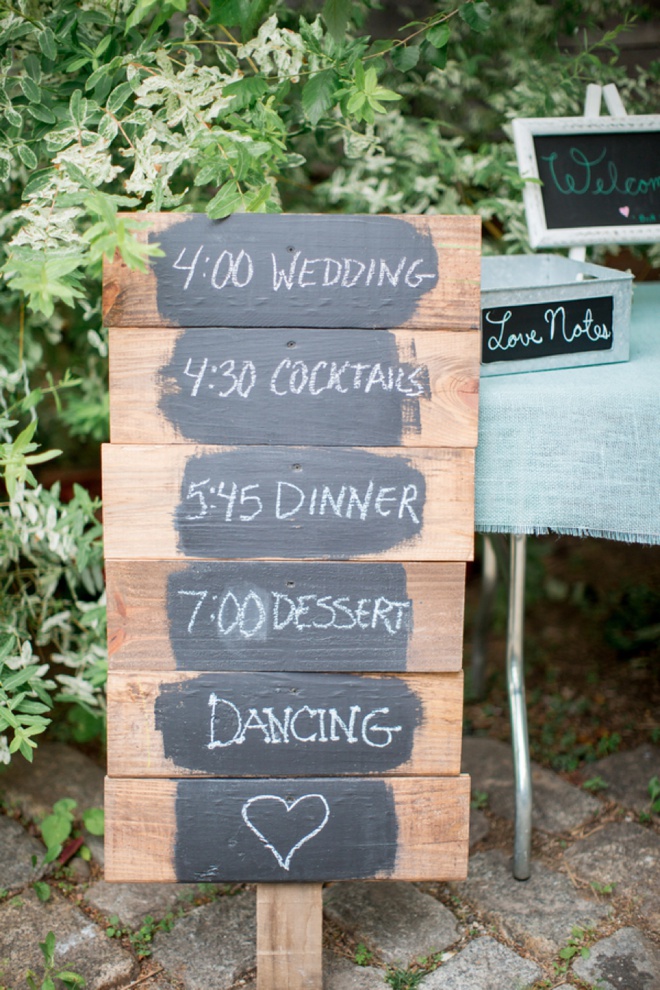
(289, 932)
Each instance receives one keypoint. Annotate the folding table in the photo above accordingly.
(574, 452)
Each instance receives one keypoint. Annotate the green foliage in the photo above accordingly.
(595, 784)
(654, 794)
(60, 825)
(109, 108)
(576, 945)
(142, 937)
(362, 956)
(51, 973)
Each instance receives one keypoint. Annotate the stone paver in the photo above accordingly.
(16, 851)
(540, 911)
(557, 806)
(213, 945)
(132, 902)
(484, 964)
(58, 771)
(393, 918)
(80, 946)
(342, 974)
(628, 775)
(627, 855)
(624, 961)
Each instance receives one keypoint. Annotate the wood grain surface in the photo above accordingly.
(289, 936)
(207, 298)
(146, 515)
(227, 724)
(309, 386)
(164, 614)
(143, 842)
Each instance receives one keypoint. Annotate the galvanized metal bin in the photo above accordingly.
(544, 311)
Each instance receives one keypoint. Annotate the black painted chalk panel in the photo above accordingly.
(600, 180)
(272, 386)
(278, 616)
(297, 502)
(272, 831)
(534, 330)
(261, 724)
(293, 270)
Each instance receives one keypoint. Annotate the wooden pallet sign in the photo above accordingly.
(288, 508)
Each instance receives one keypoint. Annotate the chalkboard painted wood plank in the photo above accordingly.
(289, 936)
(283, 725)
(295, 270)
(212, 615)
(172, 501)
(305, 830)
(368, 387)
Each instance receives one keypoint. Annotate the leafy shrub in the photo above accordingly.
(113, 106)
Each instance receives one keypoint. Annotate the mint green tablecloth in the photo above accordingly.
(576, 451)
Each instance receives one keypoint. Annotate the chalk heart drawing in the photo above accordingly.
(276, 815)
(624, 211)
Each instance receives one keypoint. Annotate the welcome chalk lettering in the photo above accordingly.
(599, 179)
(343, 501)
(540, 329)
(277, 268)
(340, 383)
(287, 724)
(240, 616)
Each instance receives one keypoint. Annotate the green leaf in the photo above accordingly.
(118, 97)
(405, 57)
(4, 169)
(33, 68)
(257, 12)
(40, 112)
(78, 108)
(476, 15)
(436, 57)
(142, 8)
(30, 89)
(438, 35)
(27, 156)
(48, 948)
(42, 890)
(245, 91)
(13, 116)
(318, 93)
(227, 200)
(94, 821)
(335, 14)
(227, 12)
(259, 201)
(46, 40)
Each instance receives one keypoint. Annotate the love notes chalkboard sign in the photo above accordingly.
(543, 311)
(593, 180)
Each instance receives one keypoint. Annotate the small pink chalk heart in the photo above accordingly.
(624, 210)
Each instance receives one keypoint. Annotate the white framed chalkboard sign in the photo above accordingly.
(590, 180)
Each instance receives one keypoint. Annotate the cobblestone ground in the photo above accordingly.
(588, 917)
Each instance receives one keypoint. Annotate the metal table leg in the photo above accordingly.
(518, 711)
(483, 619)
